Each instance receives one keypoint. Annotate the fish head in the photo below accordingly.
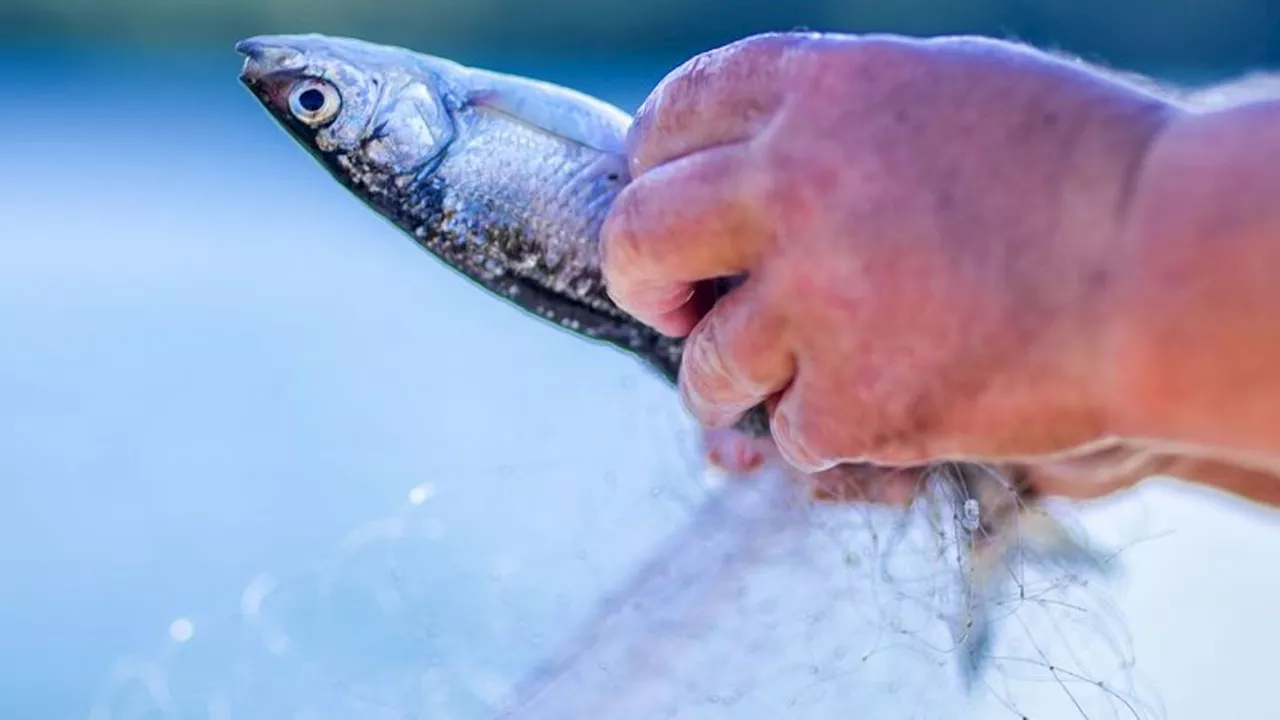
(369, 113)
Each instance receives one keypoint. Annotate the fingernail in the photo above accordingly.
(792, 447)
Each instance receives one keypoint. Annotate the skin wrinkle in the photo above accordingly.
(1122, 132)
(655, 231)
(793, 443)
(703, 360)
(1103, 283)
(1216, 308)
(740, 327)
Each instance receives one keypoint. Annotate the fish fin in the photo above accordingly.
(1041, 539)
(980, 589)
(1049, 542)
(553, 109)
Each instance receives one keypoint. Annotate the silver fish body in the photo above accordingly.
(508, 180)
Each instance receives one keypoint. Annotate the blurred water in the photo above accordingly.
(217, 364)
(263, 457)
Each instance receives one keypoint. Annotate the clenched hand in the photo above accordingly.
(927, 230)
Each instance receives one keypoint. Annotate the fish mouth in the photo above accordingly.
(265, 56)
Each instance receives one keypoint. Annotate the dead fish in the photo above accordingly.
(507, 180)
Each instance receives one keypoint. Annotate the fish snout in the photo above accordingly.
(265, 56)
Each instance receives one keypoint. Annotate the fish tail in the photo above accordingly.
(1036, 540)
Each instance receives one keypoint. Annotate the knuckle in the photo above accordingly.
(878, 53)
(829, 65)
(740, 56)
(643, 136)
(708, 84)
(672, 103)
(706, 371)
(796, 445)
(765, 46)
(711, 381)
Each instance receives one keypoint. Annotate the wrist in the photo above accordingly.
(1109, 162)
(1127, 356)
(1191, 343)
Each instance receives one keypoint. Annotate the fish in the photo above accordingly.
(507, 180)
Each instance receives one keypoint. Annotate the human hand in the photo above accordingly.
(925, 228)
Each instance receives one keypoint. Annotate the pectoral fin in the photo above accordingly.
(559, 111)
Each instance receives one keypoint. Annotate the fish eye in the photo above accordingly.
(314, 102)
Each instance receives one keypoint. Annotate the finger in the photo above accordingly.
(789, 437)
(867, 483)
(698, 218)
(1254, 484)
(735, 452)
(735, 358)
(807, 439)
(721, 96)
(1095, 476)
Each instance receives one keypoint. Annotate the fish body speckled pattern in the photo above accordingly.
(507, 180)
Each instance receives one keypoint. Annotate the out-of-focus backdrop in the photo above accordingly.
(263, 458)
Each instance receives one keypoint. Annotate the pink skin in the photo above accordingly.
(740, 455)
(826, 172)
(734, 452)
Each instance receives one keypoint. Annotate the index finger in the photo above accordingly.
(689, 221)
(720, 96)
